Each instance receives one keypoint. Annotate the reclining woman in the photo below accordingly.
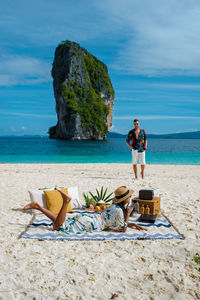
(114, 217)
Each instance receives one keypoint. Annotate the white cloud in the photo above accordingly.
(163, 36)
(150, 37)
(48, 22)
(29, 115)
(182, 131)
(155, 117)
(177, 86)
(15, 69)
(12, 129)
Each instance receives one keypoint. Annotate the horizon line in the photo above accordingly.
(46, 135)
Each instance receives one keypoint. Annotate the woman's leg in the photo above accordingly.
(45, 211)
(62, 213)
(59, 219)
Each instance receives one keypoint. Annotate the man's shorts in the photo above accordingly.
(138, 156)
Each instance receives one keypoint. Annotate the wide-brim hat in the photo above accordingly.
(121, 194)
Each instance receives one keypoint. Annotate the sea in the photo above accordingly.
(111, 150)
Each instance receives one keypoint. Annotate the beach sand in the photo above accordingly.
(143, 269)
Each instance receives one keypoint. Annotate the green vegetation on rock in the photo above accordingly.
(89, 105)
(84, 84)
(86, 99)
(98, 72)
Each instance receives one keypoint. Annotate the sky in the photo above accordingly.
(151, 49)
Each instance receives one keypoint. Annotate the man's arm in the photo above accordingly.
(128, 140)
(146, 144)
(145, 140)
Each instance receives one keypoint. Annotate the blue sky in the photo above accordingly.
(151, 49)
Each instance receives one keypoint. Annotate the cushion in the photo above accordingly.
(73, 192)
(39, 197)
(55, 201)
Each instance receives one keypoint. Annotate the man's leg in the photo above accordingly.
(134, 161)
(135, 171)
(142, 163)
(142, 171)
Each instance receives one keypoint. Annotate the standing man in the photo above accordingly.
(138, 145)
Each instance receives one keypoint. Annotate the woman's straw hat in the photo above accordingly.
(121, 194)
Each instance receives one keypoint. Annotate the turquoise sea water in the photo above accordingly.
(112, 150)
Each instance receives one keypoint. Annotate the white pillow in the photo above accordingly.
(39, 197)
(73, 192)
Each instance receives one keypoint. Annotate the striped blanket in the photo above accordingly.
(41, 229)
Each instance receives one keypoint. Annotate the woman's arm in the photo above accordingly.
(120, 221)
(138, 227)
(128, 212)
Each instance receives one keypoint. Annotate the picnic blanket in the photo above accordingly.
(41, 229)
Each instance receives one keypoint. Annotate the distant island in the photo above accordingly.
(83, 92)
(182, 135)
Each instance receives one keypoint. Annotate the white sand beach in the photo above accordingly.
(142, 269)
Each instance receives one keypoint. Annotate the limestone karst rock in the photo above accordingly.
(83, 92)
